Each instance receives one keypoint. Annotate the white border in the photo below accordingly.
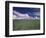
(11, 5)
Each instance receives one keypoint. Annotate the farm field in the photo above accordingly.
(26, 25)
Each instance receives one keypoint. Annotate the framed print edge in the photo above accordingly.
(7, 34)
(6, 19)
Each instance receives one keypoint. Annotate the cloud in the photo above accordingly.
(37, 13)
(18, 15)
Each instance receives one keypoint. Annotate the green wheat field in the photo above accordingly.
(26, 25)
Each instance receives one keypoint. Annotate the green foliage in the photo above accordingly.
(26, 24)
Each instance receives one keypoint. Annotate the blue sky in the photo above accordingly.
(29, 11)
